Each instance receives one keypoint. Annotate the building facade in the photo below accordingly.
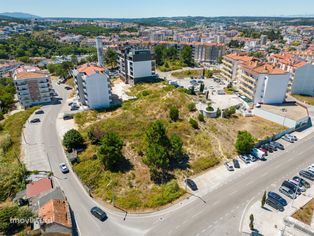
(33, 86)
(136, 65)
(92, 86)
(303, 82)
(263, 83)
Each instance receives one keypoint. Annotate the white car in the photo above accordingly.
(63, 167)
(293, 137)
(229, 166)
(302, 188)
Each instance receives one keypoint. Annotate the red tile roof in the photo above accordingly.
(35, 188)
(262, 68)
(90, 69)
(56, 211)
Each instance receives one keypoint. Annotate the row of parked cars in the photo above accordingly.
(260, 153)
(291, 188)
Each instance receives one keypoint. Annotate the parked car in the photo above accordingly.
(275, 204)
(39, 112)
(278, 145)
(229, 166)
(264, 150)
(245, 159)
(292, 186)
(63, 167)
(74, 107)
(307, 174)
(288, 139)
(68, 88)
(200, 82)
(277, 197)
(192, 185)
(252, 158)
(236, 163)
(297, 184)
(302, 181)
(288, 192)
(268, 147)
(274, 147)
(258, 154)
(99, 213)
(36, 120)
(292, 137)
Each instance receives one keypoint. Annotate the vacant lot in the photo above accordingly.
(303, 98)
(305, 213)
(204, 147)
(187, 73)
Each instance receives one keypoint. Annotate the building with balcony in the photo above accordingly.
(136, 65)
(231, 64)
(33, 86)
(303, 82)
(263, 83)
(92, 86)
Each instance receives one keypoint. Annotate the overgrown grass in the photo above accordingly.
(12, 171)
(305, 213)
(304, 98)
(204, 163)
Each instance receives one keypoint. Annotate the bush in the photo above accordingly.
(201, 117)
(73, 139)
(174, 113)
(95, 134)
(192, 107)
(209, 108)
(227, 113)
(193, 123)
(218, 113)
(245, 142)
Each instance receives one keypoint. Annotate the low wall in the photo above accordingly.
(275, 118)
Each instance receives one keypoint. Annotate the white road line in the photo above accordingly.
(243, 214)
(197, 214)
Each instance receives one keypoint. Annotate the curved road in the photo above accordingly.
(219, 212)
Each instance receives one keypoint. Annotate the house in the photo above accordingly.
(44, 197)
(34, 189)
(56, 217)
(92, 86)
(33, 86)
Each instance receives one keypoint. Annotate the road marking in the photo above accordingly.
(197, 214)
(242, 216)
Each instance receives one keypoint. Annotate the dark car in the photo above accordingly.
(67, 88)
(273, 146)
(99, 213)
(236, 163)
(302, 181)
(275, 204)
(306, 174)
(191, 184)
(291, 186)
(278, 145)
(264, 150)
(36, 120)
(39, 112)
(277, 198)
(268, 147)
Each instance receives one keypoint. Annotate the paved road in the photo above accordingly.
(217, 213)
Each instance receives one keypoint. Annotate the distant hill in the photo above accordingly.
(19, 15)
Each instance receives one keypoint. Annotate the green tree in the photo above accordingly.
(72, 139)
(263, 201)
(192, 107)
(218, 113)
(228, 112)
(110, 151)
(202, 87)
(251, 225)
(186, 56)
(193, 123)
(245, 142)
(201, 117)
(174, 113)
(156, 134)
(111, 57)
(157, 157)
(159, 54)
(176, 145)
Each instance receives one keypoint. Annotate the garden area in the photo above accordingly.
(139, 153)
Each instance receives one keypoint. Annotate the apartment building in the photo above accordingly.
(33, 86)
(231, 63)
(303, 82)
(136, 65)
(263, 83)
(92, 86)
(207, 52)
(7, 68)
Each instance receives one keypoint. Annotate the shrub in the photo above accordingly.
(193, 123)
(174, 113)
(73, 139)
(192, 107)
(201, 117)
(95, 134)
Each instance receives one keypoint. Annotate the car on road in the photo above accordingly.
(288, 192)
(236, 163)
(245, 159)
(297, 184)
(192, 185)
(278, 145)
(68, 88)
(307, 174)
(99, 213)
(63, 167)
(288, 139)
(39, 112)
(275, 204)
(229, 166)
(302, 181)
(36, 120)
(277, 197)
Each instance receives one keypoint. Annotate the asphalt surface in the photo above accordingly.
(217, 213)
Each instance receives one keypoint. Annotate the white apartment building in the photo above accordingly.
(92, 86)
(33, 86)
(303, 82)
(136, 65)
(263, 83)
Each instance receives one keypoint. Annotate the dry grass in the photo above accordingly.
(303, 98)
(305, 213)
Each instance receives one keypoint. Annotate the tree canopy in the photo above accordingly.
(245, 142)
(73, 139)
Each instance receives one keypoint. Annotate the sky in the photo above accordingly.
(154, 8)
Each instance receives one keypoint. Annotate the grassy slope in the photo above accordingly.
(205, 147)
(305, 213)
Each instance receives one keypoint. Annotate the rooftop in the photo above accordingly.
(56, 211)
(239, 57)
(30, 75)
(90, 69)
(292, 111)
(255, 67)
(35, 188)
